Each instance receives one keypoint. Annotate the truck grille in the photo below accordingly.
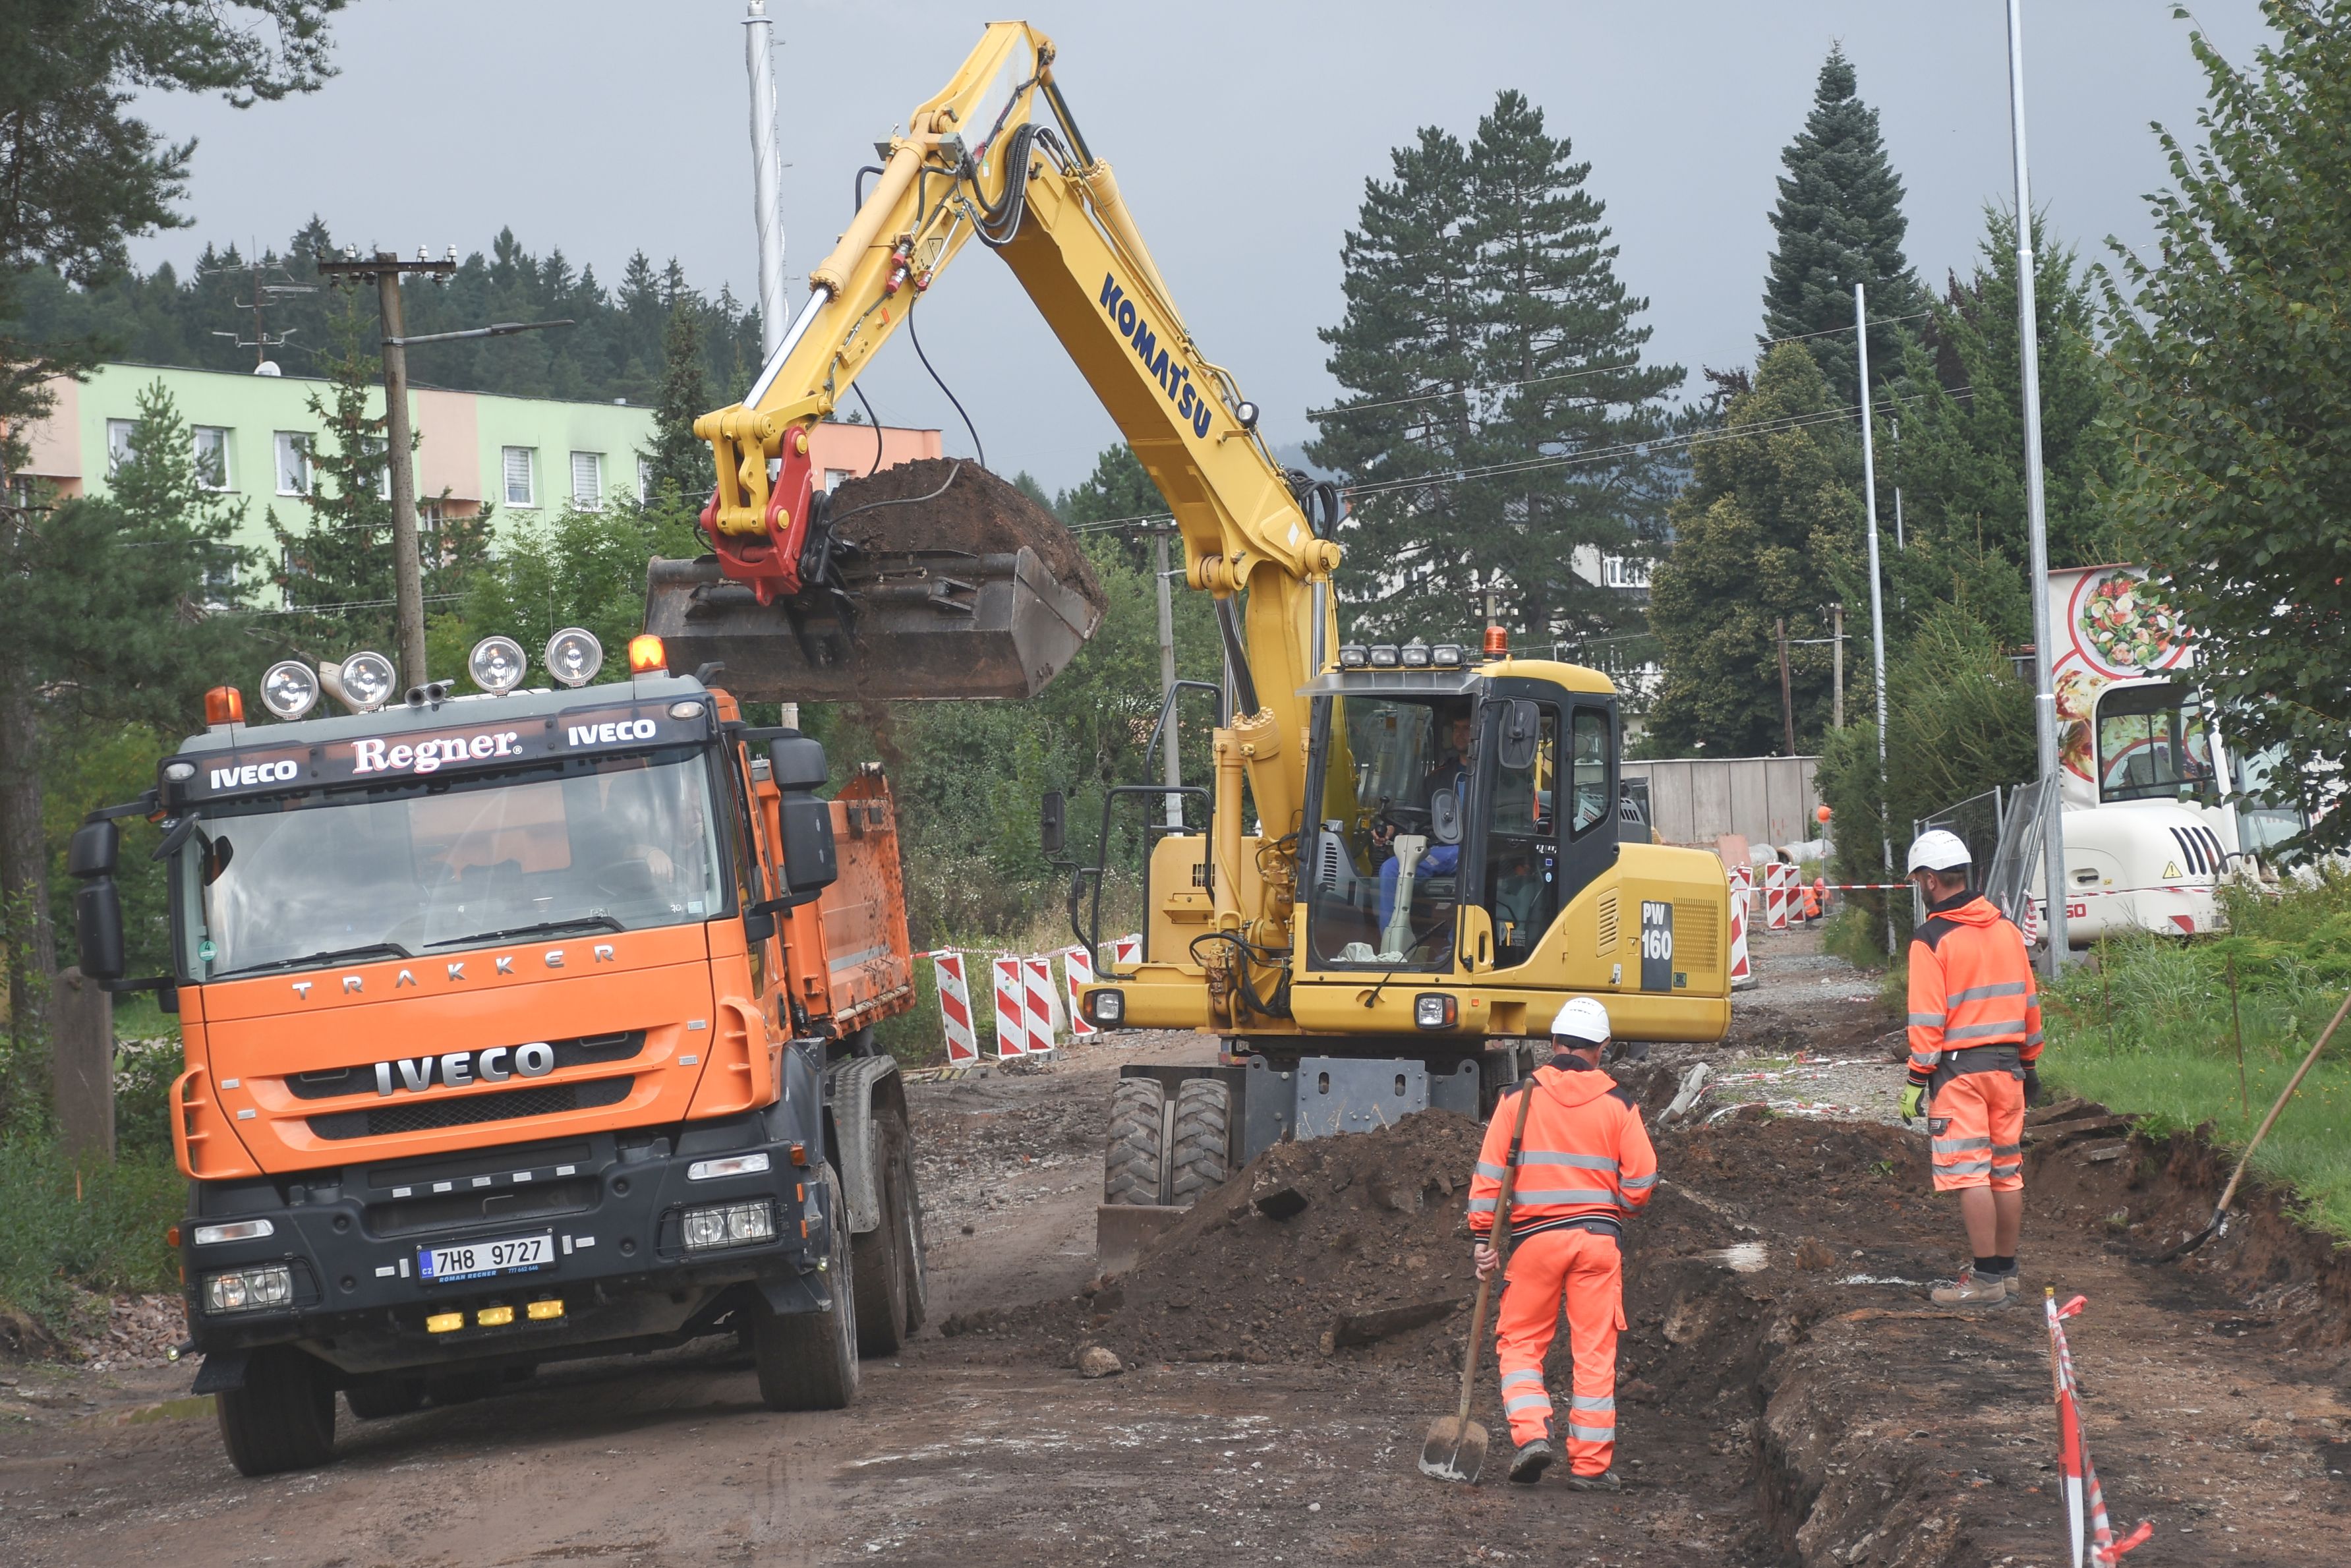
(591, 1050)
(508, 1104)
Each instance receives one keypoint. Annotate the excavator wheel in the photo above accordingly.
(1202, 1146)
(1138, 1109)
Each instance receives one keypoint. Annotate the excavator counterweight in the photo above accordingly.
(931, 580)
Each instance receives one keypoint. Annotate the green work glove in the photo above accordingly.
(1914, 1102)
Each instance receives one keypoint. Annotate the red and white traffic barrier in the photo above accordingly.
(1127, 951)
(1044, 1006)
(1742, 888)
(1077, 973)
(1777, 876)
(2085, 1503)
(1012, 1010)
(955, 1008)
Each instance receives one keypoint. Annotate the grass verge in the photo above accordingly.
(2154, 1033)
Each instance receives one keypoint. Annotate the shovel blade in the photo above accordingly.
(1454, 1450)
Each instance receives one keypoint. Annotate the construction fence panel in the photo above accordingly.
(1697, 799)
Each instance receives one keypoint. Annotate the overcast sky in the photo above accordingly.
(1242, 136)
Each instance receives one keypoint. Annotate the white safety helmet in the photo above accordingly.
(1583, 1021)
(1939, 851)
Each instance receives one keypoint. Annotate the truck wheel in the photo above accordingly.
(284, 1417)
(1202, 1134)
(808, 1360)
(1138, 1109)
(879, 1255)
(383, 1394)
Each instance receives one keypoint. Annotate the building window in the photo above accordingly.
(293, 463)
(117, 443)
(220, 579)
(1624, 572)
(644, 481)
(834, 478)
(520, 464)
(588, 481)
(212, 458)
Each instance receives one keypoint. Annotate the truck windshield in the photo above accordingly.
(610, 843)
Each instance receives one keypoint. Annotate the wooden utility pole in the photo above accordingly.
(1787, 691)
(81, 1064)
(400, 439)
(1836, 640)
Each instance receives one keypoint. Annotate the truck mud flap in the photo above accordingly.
(223, 1372)
(937, 580)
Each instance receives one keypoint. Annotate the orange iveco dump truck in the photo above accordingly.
(521, 1026)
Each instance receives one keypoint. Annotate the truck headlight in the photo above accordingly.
(235, 1231)
(1107, 1008)
(249, 1289)
(1433, 1010)
(728, 1224)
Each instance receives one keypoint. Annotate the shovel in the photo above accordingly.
(1455, 1449)
(2220, 1225)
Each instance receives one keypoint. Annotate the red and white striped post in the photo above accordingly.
(1043, 1008)
(1077, 973)
(1742, 892)
(1777, 875)
(954, 1009)
(1011, 1009)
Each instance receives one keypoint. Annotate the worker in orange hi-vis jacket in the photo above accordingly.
(1583, 1164)
(1975, 1039)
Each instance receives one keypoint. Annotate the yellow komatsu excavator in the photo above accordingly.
(1436, 860)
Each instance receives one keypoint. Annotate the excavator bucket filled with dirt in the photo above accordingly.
(933, 579)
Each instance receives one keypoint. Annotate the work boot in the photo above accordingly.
(1972, 1290)
(1604, 1481)
(1531, 1461)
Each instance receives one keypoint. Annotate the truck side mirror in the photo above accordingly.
(810, 864)
(98, 906)
(1521, 729)
(797, 762)
(1051, 814)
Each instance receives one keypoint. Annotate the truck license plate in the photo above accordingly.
(485, 1260)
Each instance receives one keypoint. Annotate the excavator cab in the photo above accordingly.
(1443, 792)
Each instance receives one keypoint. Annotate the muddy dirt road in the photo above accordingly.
(1787, 1394)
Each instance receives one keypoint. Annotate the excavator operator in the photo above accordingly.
(1445, 776)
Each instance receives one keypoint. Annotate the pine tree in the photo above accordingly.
(1959, 457)
(1485, 339)
(1767, 531)
(1405, 351)
(1840, 223)
(1559, 359)
(679, 460)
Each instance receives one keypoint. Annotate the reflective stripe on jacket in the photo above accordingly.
(1586, 1152)
(1971, 985)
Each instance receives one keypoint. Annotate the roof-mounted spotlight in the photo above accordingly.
(289, 688)
(573, 656)
(497, 663)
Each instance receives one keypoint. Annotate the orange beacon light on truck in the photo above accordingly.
(646, 654)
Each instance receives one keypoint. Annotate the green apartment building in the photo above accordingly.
(253, 435)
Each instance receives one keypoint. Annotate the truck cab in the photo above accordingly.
(523, 1026)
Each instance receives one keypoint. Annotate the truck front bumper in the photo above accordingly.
(616, 1271)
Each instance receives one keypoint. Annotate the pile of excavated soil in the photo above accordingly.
(1356, 1247)
(974, 511)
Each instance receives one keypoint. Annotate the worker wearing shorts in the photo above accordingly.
(1975, 1041)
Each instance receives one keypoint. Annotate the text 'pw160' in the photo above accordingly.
(520, 1025)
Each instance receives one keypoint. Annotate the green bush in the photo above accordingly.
(96, 1225)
